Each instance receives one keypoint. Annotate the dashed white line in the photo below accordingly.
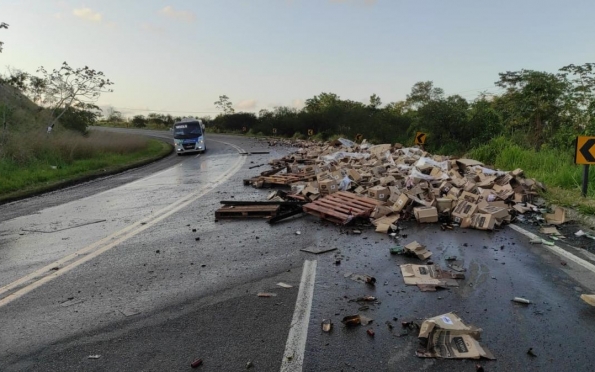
(293, 357)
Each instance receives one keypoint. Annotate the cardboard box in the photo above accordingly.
(401, 202)
(463, 209)
(497, 212)
(388, 180)
(453, 193)
(354, 175)
(429, 275)
(446, 336)
(444, 204)
(327, 187)
(473, 198)
(379, 193)
(426, 214)
(380, 211)
(389, 219)
(419, 250)
(556, 218)
(483, 221)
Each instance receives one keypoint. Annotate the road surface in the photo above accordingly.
(134, 271)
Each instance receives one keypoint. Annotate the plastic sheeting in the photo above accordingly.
(488, 171)
(347, 143)
(345, 184)
(429, 161)
(342, 154)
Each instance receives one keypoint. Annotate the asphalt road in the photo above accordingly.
(134, 269)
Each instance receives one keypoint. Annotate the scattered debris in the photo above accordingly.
(355, 320)
(429, 277)
(94, 357)
(521, 300)
(556, 218)
(550, 231)
(588, 298)
(362, 278)
(370, 332)
(298, 233)
(196, 363)
(318, 250)
(457, 265)
(327, 325)
(416, 249)
(249, 365)
(266, 294)
(397, 250)
(446, 336)
(284, 285)
(530, 352)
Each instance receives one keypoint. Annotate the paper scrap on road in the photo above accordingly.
(590, 299)
(418, 250)
(428, 276)
(446, 336)
(284, 285)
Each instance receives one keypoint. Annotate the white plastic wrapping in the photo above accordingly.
(342, 154)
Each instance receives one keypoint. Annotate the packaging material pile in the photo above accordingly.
(342, 180)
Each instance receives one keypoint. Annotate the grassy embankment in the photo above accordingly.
(34, 163)
(554, 167)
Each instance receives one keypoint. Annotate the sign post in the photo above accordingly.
(584, 154)
(420, 138)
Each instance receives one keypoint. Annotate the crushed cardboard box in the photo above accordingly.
(418, 250)
(446, 336)
(429, 277)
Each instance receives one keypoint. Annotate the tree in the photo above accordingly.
(224, 104)
(113, 116)
(139, 121)
(2, 25)
(423, 92)
(375, 101)
(80, 118)
(534, 102)
(70, 87)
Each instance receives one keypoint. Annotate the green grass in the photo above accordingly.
(554, 167)
(33, 164)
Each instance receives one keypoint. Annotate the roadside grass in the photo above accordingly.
(30, 164)
(553, 167)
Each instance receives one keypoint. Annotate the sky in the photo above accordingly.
(179, 56)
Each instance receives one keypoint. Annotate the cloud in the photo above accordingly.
(149, 27)
(87, 14)
(298, 104)
(249, 104)
(181, 15)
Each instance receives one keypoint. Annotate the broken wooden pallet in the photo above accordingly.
(246, 211)
(342, 207)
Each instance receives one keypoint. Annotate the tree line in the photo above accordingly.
(535, 108)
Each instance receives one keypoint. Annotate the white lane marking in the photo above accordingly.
(41, 276)
(557, 250)
(293, 357)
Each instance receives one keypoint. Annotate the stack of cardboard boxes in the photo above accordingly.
(413, 183)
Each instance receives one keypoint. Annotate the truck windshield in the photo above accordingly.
(187, 130)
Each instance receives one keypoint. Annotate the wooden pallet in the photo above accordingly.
(342, 207)
(246, 211)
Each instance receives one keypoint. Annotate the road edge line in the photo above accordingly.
(293, 356)
(556, 250)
